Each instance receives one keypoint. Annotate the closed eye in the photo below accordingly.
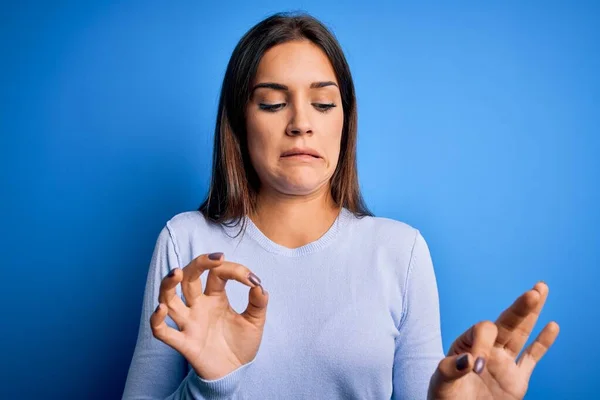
(270, 107)
(322, 107)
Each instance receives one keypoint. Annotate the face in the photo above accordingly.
(294, 119)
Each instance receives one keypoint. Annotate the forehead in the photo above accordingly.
(295, 63)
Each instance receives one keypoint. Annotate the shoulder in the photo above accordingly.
(395, 241)
(395, 254)
(187, 220)
(193, 234)
(185, 226)
(387, 232)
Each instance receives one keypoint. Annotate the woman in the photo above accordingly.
(351, 310)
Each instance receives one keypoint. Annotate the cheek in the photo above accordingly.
(260, 144)
(334, 141)
(256, 150)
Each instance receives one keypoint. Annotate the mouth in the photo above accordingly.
(300, 153)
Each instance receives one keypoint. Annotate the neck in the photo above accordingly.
(294, 221)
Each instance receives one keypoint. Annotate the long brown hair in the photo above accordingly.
(234, 184)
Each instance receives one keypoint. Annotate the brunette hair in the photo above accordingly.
(234, 184)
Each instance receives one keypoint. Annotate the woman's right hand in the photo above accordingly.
(213, 338)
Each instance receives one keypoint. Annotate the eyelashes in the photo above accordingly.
(276, 107)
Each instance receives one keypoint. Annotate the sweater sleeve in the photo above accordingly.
(419, 343)
(158, 371)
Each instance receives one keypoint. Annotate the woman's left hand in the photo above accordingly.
(482, 363)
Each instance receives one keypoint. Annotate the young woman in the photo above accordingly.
(352, 308)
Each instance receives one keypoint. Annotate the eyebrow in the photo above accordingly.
(279, 86)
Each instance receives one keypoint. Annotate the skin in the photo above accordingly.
(505, 374)
(295, 205)
(295, 208)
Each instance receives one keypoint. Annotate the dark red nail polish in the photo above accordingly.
(157, 308)
(215, 256)
(462, 362)
(171, 273)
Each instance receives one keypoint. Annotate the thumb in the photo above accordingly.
(256, 312)
(448, 371)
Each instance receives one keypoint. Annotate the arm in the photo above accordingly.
(419, 343)
(158, 371)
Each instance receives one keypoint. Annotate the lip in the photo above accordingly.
(297, 151)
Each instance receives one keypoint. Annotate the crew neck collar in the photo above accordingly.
(327, 238)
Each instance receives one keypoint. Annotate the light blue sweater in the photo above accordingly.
(353, 315)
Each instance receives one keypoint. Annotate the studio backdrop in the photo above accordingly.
(478, 125)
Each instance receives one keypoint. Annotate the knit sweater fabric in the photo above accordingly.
(352, 315)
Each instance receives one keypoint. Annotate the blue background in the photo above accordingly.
(478, 124)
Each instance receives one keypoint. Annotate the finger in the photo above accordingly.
(191, 285)
(454, 367)
(536, 350)
(511, 322)
(516, 323)
(256, 311)
(477, 340)
(218, 277)
(176, 309)
(485, 334)
(164, 332)
(449, 370)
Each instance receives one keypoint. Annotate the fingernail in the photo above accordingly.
(215, 256)
(462, 362)
(479, 364)
(171, 273)
(254, 279)
(157, 308)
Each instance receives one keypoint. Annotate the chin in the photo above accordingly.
(301, 187)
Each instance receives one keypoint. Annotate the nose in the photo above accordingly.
(300, 123)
